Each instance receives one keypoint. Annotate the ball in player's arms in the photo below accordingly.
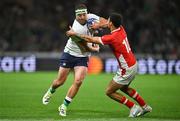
(84, 45)
(90, 22)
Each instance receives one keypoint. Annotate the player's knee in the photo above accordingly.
(108, 92)
(124, 89)
(60, 82)
(78, 83)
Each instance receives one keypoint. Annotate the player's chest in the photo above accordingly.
(83, 30)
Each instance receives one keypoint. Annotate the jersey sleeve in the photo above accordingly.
(107, 39)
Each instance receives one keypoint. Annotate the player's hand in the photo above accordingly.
(93, 47)
(70, 32)
(96, 47)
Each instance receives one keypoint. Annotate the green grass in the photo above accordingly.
(21, 93)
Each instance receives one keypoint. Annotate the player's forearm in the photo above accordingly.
(89, 38)
(103, 23)
(85, 37)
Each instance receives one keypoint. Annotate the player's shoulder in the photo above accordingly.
(91, 14)
(123, 31)
(75, 22)
(76, 25)
(120, 30)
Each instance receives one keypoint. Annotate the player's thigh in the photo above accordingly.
(127, 77)
(80, 73)
(80, 68)
(63, 73)
(114, 86)
(67, 60)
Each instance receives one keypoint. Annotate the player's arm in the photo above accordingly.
(72, 33)
(87, 47)
(88, 38)
(103, 23)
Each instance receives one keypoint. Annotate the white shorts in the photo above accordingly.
(127, 77)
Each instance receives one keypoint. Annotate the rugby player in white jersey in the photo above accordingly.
(75, 56)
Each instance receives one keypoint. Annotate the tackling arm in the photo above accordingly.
(87, 47)
(103, 23)
(89, 38)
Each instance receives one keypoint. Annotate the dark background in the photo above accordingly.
(153, 26)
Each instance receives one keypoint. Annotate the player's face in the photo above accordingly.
(81, 18)
(110, 25)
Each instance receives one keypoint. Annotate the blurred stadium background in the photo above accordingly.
(32, 37)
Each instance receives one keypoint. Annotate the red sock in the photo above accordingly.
(134, 94)
(126, 102)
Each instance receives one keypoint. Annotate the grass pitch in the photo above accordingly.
(21, 94)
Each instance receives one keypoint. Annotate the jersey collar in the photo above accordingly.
(116, 30)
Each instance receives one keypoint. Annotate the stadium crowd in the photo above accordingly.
(153, 26)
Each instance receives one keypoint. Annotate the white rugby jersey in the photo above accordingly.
(71, 47)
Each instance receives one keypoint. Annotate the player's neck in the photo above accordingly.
(113, 28)
(81, 23)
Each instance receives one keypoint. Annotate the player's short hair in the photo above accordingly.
(80, 8)
(116, 19)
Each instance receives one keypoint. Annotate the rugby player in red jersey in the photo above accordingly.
(118, 42)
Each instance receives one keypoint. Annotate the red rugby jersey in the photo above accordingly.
(119, 44)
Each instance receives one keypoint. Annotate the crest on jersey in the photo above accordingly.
(91, 21)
